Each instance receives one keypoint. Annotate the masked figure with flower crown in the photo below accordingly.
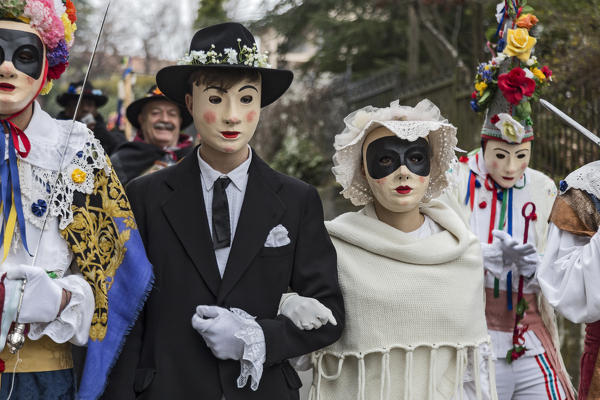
(72, 266)
(507, 206)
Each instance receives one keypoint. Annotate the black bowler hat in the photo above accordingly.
(135, 108)
(89, 92)
(212, 48)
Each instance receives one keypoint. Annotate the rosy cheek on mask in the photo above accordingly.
(523, 166)
(422, 179)
(380, 181)
(210, 117)
(494, 164)
(251, 116)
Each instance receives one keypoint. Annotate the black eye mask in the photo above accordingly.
(24, 49)
(387, 154)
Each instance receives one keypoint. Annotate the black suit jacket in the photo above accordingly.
(164, 357)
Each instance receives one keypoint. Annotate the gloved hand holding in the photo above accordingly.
(528, 265)
(492, 258)
(42, 297)
(513, 250)
(305, 312)
(218, 326)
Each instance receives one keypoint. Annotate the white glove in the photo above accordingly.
(218, 327)
(492, 258)
(305, 312)
(42, 297)
(527, 265)
(512, 250)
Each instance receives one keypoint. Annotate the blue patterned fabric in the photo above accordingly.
(131, 285)
(51, 385)
(595, 200)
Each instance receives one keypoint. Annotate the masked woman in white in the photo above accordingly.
(409, 269)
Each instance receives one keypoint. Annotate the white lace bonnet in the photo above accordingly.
(410, 123)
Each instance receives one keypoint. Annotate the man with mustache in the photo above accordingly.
(158, 142)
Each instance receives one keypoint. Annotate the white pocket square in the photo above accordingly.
(277, 237)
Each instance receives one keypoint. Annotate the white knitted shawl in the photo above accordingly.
(413, 309)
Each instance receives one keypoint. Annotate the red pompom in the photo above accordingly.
(534, 217)
(483, 204)
(474, 95)
(56, 71)
(495, 119)
(463, 159)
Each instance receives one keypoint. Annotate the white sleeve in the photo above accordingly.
(73, 323)
(569, 275)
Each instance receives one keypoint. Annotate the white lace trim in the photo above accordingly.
(78, 175)
(410, 123)
(255, 351)
(586, 178)
(73, 324)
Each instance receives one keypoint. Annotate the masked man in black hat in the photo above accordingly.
(227, 236)
(158, 142)
(91, 100)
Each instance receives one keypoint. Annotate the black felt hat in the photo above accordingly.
(222, 39)
(135, 108)
(89, 92)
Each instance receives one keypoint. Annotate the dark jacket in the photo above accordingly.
(132, 159)
(164, 357)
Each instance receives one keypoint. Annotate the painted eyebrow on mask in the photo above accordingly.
(499, 149)
(248, 87)
(219, 88)
(519, 151)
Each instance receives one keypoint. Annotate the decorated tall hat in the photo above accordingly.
(55, 22)
(506, 85)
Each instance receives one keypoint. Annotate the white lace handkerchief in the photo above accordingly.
(277, 237)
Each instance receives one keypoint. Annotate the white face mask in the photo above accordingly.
(17, 89)
(402, 190)
(226, 119)
(506, 163)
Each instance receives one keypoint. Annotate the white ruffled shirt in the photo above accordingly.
(36, 172)
(251, 334)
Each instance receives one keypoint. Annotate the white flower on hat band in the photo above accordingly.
(249, 56)
(512, 131)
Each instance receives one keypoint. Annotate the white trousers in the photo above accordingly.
(528, 378)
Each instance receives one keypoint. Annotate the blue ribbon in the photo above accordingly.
(9, 173)
(501, 22)
(468, 188)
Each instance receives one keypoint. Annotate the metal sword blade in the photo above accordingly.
(587, 133)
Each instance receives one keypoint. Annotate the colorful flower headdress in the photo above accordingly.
(249, 56)
(55, 22)
(505, 86)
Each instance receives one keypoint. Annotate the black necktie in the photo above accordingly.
(220, 214)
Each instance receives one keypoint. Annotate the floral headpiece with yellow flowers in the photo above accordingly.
(505, 86)
(55, 22)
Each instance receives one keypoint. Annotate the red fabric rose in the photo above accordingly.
(56, 71)
(547, 71)
(515, 85)
(474, 94)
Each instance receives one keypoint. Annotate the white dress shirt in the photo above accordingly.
(235, 197)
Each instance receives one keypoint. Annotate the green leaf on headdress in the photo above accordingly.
(527, 10)
(484, 97)
(523, 110)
